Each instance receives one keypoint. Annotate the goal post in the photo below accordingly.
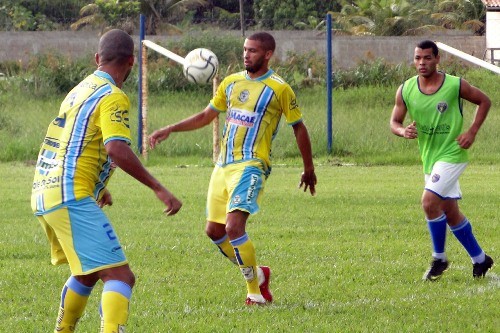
(468, 57)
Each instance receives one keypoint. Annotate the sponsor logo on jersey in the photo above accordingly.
(251, 189)
(439, 129)
(120, 116)
(241, 117)
(46, 162)
(60, 121)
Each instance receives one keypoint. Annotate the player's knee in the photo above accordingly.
(235, 230)
(431, 208)
(215, 231)
(131, 279)
(120, 273)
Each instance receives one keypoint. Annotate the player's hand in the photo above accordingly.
(308, 179)
(173, 204)
(411, 131)
(173, 207)
(106, 199)
(158, 136)
(465, 140)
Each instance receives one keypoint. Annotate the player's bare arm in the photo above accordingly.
(194, 122)
(308, 177)
(106, 199)
(125, 158)
(398, 117)
(476, 96)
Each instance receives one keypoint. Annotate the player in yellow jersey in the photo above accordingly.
(253, 102)
(88, 139)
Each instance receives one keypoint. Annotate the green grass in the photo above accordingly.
(347, 260)
(361, 132)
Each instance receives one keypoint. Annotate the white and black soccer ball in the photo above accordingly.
(200, 66)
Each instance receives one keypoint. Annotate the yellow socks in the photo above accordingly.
(226, 249)
(114, 306)
(245, 256)
(74, 298)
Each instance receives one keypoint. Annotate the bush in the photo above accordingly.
(54, 73)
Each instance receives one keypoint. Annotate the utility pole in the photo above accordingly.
(242, 19)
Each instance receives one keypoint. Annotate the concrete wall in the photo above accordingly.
(348, 51)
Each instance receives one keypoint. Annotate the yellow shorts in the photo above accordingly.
(237, 186)
(80, 234)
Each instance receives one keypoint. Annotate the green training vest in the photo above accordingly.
(439, 121)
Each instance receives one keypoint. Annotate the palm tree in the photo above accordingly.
(407, 17)
(463, 14)
(122, 13)
(167, 11)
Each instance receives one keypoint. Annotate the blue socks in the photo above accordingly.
(463, 232)
(437, 229)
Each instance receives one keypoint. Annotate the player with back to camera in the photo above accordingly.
(88, 139)
(433, 100)
(253, 102)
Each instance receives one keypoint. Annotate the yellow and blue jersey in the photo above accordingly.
(73, 163)
(253, 109)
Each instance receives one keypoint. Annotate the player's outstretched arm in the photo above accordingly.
(123, 156)
(196, 121)
(308, 177)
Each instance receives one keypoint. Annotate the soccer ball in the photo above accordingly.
(200, 66)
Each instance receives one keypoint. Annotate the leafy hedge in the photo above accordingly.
(52, 74)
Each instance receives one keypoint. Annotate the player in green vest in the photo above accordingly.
(433, 101)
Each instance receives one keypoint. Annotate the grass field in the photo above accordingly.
(347, 260)
(361, 132)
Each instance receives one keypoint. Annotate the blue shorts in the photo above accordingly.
(237, 186)
(80, 234)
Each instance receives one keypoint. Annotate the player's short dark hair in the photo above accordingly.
(266, 39)
(429, 44)
(115, 46)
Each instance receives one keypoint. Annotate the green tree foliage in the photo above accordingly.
(108, 13)
(280, 14)
(357, 17)
(33, 15)
(167, 12)
(408, 17)
(225, 14)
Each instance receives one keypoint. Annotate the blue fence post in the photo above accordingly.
(139, 113)
(329, 82)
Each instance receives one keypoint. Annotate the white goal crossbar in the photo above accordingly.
(468, 57)
(167, 53)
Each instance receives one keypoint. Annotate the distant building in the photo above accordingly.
(492, 52)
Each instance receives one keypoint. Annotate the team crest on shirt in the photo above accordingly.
(236, 199)
(442, 107)
(435, 178)
(244, 95)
